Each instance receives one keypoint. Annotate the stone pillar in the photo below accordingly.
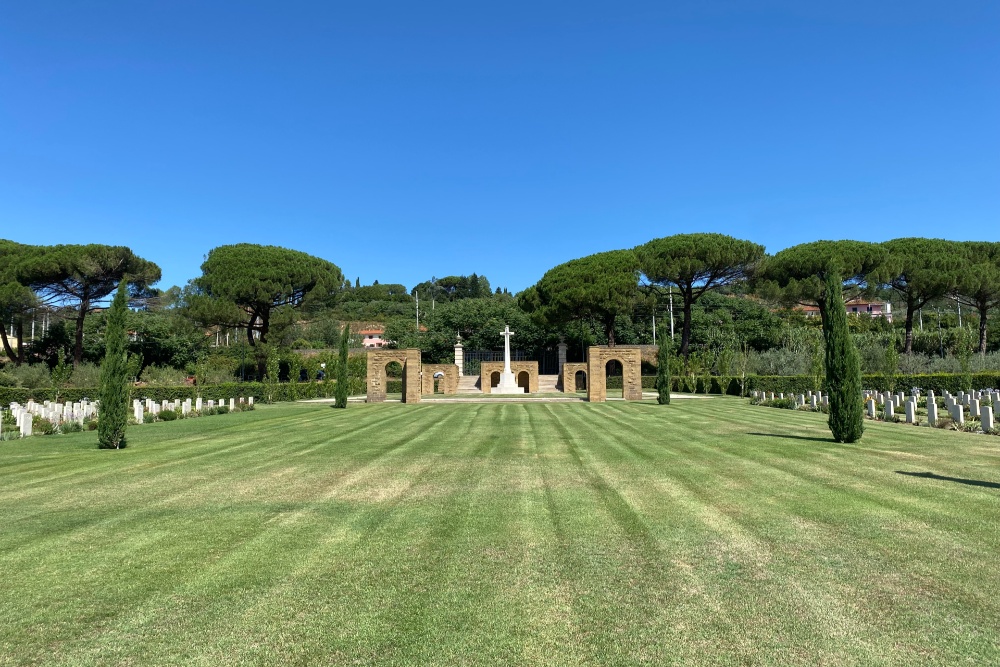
(562, 353)
(459, 357)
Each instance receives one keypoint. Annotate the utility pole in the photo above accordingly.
(654, 328)
(418, 310)
(671, 312)
(959, 304)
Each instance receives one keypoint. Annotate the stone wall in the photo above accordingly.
(568, 376)
(448, 383)
(630, 357)
(486, 368)
(379, 358)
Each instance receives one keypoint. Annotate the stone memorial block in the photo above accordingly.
(931, 414)
(197, 404)
(888, 412)
(813, 403)
(973, 409)
(250, 400)
(871, 408)
(911, 412)
(232, 404)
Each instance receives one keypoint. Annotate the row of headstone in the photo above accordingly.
(56, 413)
(140, 408)
(813, 398)
(955, 405)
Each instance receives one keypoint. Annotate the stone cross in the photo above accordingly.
(506, 333)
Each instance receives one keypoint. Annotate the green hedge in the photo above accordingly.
(795, 384)
(800, 384)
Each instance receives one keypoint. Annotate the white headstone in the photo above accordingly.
(986, 418)
(958, 413)
(911, 412)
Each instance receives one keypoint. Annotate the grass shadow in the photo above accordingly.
(793, 437)
(943, 478)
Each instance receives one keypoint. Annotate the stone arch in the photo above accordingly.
(613, 368)
(630, 359)
(494, 379)
(580, 380)
(378, 359)
(524, 380)
(568, 376)
(447, 378)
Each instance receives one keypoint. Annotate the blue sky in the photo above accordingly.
(404, 140)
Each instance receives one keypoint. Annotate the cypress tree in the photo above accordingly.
(663, 374)
(341, 388)
(112, 416)
(843, 366)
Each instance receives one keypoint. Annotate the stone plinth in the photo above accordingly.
(487, 369)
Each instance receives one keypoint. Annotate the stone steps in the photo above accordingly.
(548, 384)
(469, 384)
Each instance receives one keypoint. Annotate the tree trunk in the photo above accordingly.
(686, 326)
(609, 329)
(908, 345)
(19, 332)
(6, 345)
(982, 328)
(78, 345)
(262, 359)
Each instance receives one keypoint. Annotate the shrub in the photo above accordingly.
(42, 426)
(32, 376)
(342, 371)
(843, 367)
(663, 374)
(7, 380)
(114, 391)
(86, 375)
(163, 376)
(167, 415)
(70, 427)
(221, 409)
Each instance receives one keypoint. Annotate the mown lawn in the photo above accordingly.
(703, 533)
